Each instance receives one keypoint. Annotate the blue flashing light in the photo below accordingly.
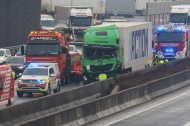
(167, 50)
(160, 28)
(179, 28)
(32, 65)
(38, 80)
(171, 50)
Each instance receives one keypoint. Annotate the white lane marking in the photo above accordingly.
(188, 124)
(123, 118)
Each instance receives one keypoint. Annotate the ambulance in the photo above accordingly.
(6, 86)
(39, 78)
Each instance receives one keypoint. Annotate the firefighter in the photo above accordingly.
(78, 72)
(155, 59)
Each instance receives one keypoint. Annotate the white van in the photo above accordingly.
(47, 22)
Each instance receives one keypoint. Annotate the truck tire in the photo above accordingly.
(57, 89)
(19, 94)
(48, 92)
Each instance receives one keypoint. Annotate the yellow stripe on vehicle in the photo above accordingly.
(44, 78)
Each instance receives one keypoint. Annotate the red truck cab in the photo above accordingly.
(173, 41)
(49, 46)
(6, 86)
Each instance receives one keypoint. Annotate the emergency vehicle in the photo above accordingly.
(173, 41)
(50, 46)
(6, 86)
(39, 78)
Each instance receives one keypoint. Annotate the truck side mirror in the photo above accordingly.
(22, 50)
(64, 50)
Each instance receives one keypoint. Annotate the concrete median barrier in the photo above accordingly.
(80, 105)
(107, 105)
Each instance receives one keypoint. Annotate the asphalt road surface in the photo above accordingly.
(28, 97)
(172, 109)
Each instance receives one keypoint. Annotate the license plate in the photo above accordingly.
(30, 85)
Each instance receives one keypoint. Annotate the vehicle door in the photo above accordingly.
(1, 91)
(52, 78)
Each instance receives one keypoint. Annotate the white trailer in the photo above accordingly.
(178, 14)
(97, 5)
(136, 39)
(124, 8)
(76, 17)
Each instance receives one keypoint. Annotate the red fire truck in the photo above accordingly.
(6, 86)
(50, 46)
(173, 41)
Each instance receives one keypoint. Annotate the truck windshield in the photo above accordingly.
(170, 37)
(92, 53)
(81, 21)
(36, 71)
(47, 23)
(178, 18)
(188, 22)
(47, 49)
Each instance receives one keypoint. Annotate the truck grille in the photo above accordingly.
(174, 49)
(100, 68)
(31, 82)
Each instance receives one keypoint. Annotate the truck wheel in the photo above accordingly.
(57, 89)
(19, 94)
(48, 92)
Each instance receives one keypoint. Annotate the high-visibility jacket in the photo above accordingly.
(13, 74)
(102, 77)
(161, 62)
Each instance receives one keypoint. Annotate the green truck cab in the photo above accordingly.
(101, 52)
(115, 48)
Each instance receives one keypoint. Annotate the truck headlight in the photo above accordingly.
(20, 67)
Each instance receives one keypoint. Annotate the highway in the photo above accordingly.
(169, 110)
(28, 97)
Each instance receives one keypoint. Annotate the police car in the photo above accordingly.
(39, 78)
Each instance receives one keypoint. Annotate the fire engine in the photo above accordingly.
(6, 86)
(173, 41)
(50, 46)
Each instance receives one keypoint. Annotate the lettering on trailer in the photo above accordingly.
(42, 38)
(139, 41)
(169, 44)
